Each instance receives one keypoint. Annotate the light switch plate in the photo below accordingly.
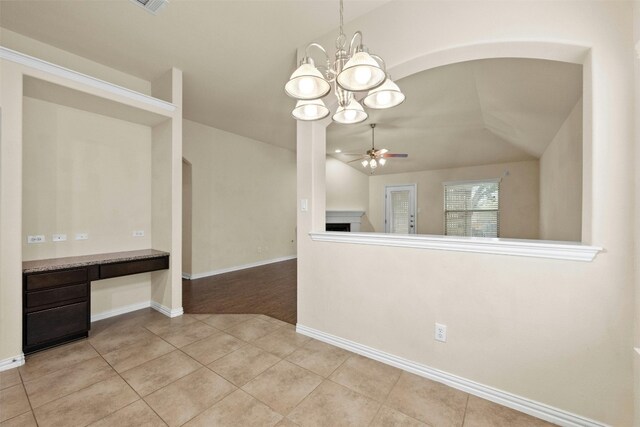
(138, 233)
(82, 236)
(39, 238)
(59, 237)
(304, 205)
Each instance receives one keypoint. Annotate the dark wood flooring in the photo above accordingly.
(269, 289)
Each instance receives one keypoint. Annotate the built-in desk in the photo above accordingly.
(56, 299)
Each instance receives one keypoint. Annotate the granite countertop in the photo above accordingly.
(42, 265)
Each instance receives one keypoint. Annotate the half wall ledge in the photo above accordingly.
(516, 247)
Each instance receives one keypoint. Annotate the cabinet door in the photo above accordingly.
(55, 323)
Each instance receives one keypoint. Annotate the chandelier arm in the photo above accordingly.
(318, 46)
(357, 34)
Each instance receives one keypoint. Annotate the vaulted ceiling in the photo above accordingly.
(236, 55)
(470, 113)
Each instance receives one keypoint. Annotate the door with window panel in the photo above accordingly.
(400, 209)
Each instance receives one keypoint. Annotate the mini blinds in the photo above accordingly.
(472, 208)
(400, 215)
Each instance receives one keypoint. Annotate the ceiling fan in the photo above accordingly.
(373, 157)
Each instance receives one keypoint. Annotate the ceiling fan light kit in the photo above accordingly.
(374, 158)
(353, 70)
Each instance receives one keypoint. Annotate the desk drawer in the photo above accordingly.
(133, 267)
(48, 280)
(57, 295)
(55, 323)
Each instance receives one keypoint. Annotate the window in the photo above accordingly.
(472, 208)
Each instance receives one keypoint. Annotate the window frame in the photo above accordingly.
(471, 182)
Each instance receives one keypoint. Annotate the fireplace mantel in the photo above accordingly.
(354, 218)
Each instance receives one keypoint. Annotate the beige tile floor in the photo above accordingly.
(144, 369)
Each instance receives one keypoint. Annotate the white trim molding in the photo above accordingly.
(12, 362)
(528, 248)
(121, 310)
(169, 312)
(57, 70)
(522, 404)
(236, 268)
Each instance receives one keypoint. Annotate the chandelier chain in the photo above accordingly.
(341, 40)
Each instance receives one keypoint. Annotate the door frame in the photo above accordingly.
(415, 206)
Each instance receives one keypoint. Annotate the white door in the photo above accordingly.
(400, 209)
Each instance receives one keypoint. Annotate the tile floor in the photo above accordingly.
(144, 369)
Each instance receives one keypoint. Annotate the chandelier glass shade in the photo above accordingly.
(310, 110)
(307, 83)
(386, 95)
(350, 113)
(353, 70)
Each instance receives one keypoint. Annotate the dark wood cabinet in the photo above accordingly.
(57, 301)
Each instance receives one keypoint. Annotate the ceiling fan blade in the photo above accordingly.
(394, 155)
(382, 151)
(358, 160)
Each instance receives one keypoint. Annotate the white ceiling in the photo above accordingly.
(235, 55)
(470, 113)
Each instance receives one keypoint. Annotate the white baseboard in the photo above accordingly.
(166, 310)
(236, 268)
(12, 362)
(119, 311)
(522, 404)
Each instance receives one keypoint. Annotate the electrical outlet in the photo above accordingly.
(138, 233)
(82, 236)
(441, 332)
(59, 237)
(36, 239)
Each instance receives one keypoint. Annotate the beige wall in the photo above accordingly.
(86, 173)
(52, 54)
(348, 190)
(186, 217)
(561, 182)
(167, 284)
(243, 199)
(518, 196)
(636, 371)
(552, 331)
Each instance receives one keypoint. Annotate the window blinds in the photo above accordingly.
(472, 209)
(400, 212)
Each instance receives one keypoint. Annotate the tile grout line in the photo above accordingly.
(386, 397)
(466, 405)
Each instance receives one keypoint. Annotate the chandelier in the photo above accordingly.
(353, 70)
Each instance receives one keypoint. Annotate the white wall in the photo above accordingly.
(518, 196)
(561, 182)
(87, 173)
(243, 199)
(561, 331)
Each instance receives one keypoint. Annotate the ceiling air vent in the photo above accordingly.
(153, 6)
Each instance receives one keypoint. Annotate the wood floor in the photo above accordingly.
(270, 289)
